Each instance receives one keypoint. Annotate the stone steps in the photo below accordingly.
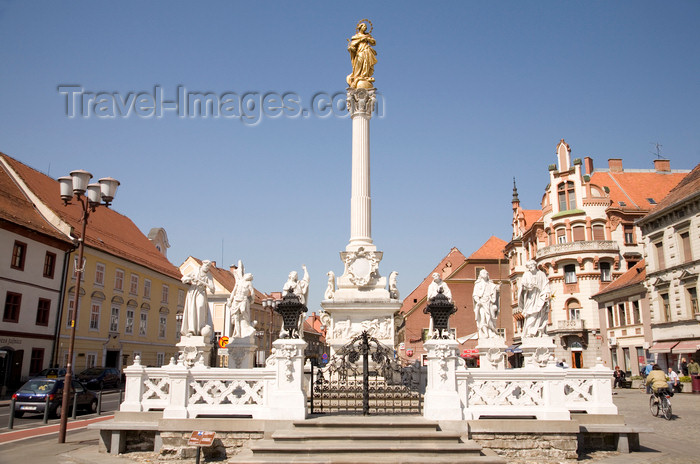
(375, 439)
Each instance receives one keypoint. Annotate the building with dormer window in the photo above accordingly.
(583, 236)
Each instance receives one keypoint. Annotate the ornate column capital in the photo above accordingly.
(361, 102)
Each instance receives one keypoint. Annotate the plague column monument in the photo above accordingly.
(362, 300)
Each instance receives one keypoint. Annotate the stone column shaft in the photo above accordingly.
(360, 105)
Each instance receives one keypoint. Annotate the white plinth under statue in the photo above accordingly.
(194, 350)
(492, 353)
(241, 352)
(537, 351)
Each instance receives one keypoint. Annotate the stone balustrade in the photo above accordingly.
(597, 246)
(182, 391)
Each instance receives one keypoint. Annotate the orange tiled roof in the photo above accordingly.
(16, 208)
(454, 256)
(531, 216)
(492, 249)
(633, 188)
(634, 276)
(226, 278)
(107, 231)
(688, 186)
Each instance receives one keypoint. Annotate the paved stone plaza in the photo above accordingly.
(672, 442)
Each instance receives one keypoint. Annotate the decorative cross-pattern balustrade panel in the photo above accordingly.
(578, 390)
(506, 393)
(214, 392)
(156, 394)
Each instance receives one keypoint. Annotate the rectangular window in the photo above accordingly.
(598, 232)
(36, 364)
(42, 312)
(622, 315)
(579, 234)
(636, 314)
(178, 325)
(685, 244)
(49, 265)
(95, 308)
(570, 274)
(90, 360)
(574, 314)
(477, 270)
(164, 295)
(605, 274)
(69, 314)
(501, 332)
(13, 301)
(146, 289)
(119, 280)
(693, 297)
(611, 318)
(629, 235)
(100, 274)
(142, 324)
(660, 261)
(134, 287)
(561, 236)
(162, 326)
(19, 253)
(181, 297)
(160, 359)
(129, 328)
(114, 320)
(666, 306)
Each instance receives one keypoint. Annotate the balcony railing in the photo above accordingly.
(596, 246)
(571, 325)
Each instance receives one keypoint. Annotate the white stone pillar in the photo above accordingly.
(179, 375)
(360, 103)
(135, 377)
(441, 401)
(288, 395)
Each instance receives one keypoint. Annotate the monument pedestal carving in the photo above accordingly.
(441, 400)
(241, 352)
(492, 353)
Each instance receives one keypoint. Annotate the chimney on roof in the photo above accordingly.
(615, 164)
(588, 163)
(662, 165)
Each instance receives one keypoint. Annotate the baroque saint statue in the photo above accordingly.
(196, 319)
(533, 301)
(362, 56)
(485, 297)
(239, 303)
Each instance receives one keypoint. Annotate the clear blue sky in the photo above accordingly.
(474, 94)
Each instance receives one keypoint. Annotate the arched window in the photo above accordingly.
(605, 275)
(573, 309)
(567, 196)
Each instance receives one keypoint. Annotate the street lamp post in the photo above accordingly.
(89, 196)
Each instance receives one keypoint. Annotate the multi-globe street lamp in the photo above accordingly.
(89, 196)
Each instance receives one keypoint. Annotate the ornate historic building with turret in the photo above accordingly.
(583, 236)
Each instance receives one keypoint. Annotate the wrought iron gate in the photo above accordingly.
(363, 378)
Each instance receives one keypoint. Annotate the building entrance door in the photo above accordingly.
(577, 359)
(112, 359)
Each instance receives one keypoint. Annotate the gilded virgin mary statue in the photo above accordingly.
(362, 56)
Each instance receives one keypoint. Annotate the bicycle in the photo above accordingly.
(659, 402)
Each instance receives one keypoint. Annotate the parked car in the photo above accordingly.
(31, 397)
(52, 373)
(98, 378)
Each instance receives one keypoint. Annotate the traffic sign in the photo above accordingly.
(223, 341)
(324, 356)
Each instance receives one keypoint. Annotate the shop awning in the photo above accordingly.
(514, 349)
(687, 346)
(662, 347)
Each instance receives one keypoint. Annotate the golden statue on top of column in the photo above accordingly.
(362, 56)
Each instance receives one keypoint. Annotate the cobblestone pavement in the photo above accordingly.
(673, 442)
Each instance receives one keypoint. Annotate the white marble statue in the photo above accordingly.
(393, 289)
(330, 290)
(239, 303)
(533, 301)
(486, 308)
(301, 289)
(196, 319)
(436, 285)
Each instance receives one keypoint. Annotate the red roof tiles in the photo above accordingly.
(690, 185)
(633, 188)
(107, 231)
(492, 249)
(634, 276)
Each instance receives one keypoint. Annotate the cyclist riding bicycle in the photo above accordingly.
(657, 380)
